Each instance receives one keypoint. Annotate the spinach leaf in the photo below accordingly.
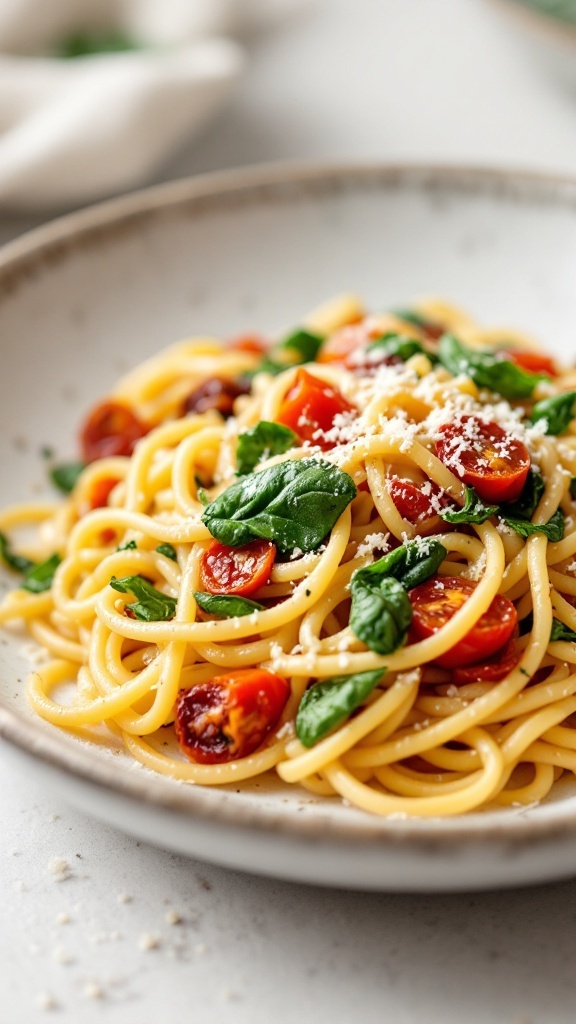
(573, 487)
(150, 605)
(65, 476)
(303, 344)
(557, 411)
(553, 529)
(325, 705)
(561, 632)
(17, 562)
(411, 563)
(473, 510)
(381, 611)
(294, 504)
(267, 365)
(525, 506)
(168, 551)
(486, 369)
(39, 578)
(400, 345)
(129, 545)
(410, 316)
(226, 606)
(86, 44)
(262, 441)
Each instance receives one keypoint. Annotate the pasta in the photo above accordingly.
(349, 559)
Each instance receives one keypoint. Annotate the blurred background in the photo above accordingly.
(103, 97)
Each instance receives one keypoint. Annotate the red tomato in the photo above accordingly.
(310, 407)
(485, 457)
(111, 429)
(343, 342)
(412, 504)
(431, 329)
(101, 490)
(231, 716)
(532, 362)
(249, 343)
(491, 670)
(215, 393)
(436, 601)
(241, 571)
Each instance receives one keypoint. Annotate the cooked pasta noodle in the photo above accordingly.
(438, 683)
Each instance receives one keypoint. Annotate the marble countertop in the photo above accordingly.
(135, 934)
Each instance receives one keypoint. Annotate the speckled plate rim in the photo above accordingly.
(58, 240)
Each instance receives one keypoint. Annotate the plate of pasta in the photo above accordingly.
(289, 581)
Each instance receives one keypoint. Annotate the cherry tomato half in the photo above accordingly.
(101, 491)
(436, 601)
(111, 429)
(231, 716)
(412, 504)
(310, 407)
(532, 362)
(215, 393)
(241, 571)
(486, 457)
(255, 343)
(346, 340)
(491, 670)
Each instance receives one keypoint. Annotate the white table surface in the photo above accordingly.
(353, 79)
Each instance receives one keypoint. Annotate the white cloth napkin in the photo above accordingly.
(78, 129)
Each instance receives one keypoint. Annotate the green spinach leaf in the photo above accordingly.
(473, 510)
(303, 344)
(400, 345)
(557, 411)
(151, 605)
(39, 578)
(325, 705)
(226, 606)
(561, 632)
(381, 611)
(65, 475)
(553, 529)
(168, 550)
(262, 441)
(294, 504)
(17, 562)
(525, 506)
(486, 369)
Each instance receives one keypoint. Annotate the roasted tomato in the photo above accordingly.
(491, 670)
(485, 457)
(532, 362)
(101, 490)
(215, 393)
(231, 716)
(255, 343)
(436, 601)
(412, 503)
(346, 340)
(111, 429)
(310, 407)
(240, 571)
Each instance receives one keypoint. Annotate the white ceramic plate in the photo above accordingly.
(85, 298)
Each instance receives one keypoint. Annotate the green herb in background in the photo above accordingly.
(65, 476)
(87, 44)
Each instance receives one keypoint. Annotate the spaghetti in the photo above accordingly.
(349, 558)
